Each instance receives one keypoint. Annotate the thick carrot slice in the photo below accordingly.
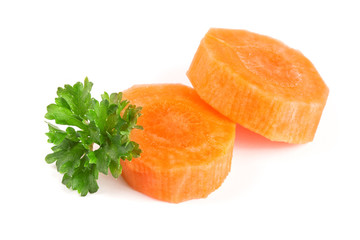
(260, 83)
(187, 146)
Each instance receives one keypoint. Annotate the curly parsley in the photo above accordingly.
(105, 125)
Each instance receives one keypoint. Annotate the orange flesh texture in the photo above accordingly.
(187, 146)
(260, 83)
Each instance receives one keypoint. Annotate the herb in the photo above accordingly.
(96, 138)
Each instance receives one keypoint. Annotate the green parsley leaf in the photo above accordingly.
(106, 124)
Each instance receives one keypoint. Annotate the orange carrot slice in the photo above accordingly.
(187, 146)
(260, 83)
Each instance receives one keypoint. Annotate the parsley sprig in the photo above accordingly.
(96, 138)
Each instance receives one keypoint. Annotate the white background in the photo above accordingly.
(274, 191)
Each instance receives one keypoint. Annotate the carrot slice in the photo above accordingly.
(260, 83)
(187, 146)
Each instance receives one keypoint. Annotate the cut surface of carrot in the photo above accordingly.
(260, 83)
(186, 145)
